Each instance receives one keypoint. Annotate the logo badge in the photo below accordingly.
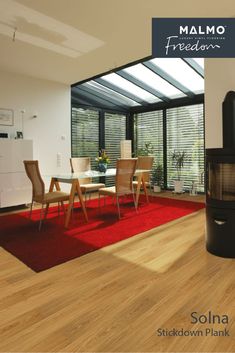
(193, 37)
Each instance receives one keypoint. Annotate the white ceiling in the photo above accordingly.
(70, 40)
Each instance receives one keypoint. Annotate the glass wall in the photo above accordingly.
(85, 133)
(185, 132)
(168, 130)
(115, 131)
(86, 139)
(148, 128)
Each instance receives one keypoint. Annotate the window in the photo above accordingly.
(151, 79)
(115, 131)
(179, 129)
(181, 72)
(149, 128)
(130, 87)
(85, 133)
(185, 132)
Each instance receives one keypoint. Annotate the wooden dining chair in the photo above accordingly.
(38, 190)
(123, 181)
(80, 165)
(144, 162)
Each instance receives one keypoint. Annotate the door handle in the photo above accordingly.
(219, 222)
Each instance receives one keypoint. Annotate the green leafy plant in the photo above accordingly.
(102, 157)
(146, 150)
(178, 160)
(157, 176)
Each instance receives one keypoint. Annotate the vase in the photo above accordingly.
(178, 185)
(156, 188)
(102, 167)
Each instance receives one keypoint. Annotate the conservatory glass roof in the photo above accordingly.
(143, 84)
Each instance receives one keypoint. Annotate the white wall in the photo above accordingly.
(219, 79)
(51, 102)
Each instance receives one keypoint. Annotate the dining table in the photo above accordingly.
(75, 178)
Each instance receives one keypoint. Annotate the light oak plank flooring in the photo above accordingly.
(114, 299)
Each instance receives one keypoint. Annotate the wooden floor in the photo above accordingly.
(115, 299)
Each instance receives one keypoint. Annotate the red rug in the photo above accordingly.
(54, 244)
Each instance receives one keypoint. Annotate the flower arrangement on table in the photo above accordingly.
(102, 161)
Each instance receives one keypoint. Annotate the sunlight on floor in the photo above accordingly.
(164, 249)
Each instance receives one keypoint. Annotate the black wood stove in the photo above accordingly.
(220, 187)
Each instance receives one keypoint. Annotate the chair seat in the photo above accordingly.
(91, 186)
(54, 196)
(111, 190)
(135, 183)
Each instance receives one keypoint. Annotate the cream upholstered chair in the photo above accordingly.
(83, 164)
(123, 181)
(144, 162)
(38, 190)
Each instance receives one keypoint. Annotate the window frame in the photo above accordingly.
(179, 102)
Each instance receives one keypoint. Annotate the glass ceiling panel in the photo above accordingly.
(151, 79)
(112, 94)
(131, 88)
(181, 72)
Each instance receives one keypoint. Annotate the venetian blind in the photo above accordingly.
(185, 132)
(149, 128)
(85, 134)
(115, 131)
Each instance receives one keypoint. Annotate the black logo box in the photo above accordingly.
(193, 37)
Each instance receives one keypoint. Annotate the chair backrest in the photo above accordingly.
(124, 175)
(32, 171)
(79, 165)
(145, 162)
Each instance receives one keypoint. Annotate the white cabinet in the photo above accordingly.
(15, 187)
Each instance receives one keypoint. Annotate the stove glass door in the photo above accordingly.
(221, 181)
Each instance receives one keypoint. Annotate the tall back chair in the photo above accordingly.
(145, 162)
(38, 186)
(38, 190)
(124, 176)
(123, 182)
(80, 165)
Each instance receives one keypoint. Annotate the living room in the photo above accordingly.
(115, 298)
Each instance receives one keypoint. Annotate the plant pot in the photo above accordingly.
(178, 185)
(156, 188)
(102, 167)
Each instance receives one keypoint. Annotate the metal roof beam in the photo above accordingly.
(107, 96)
(142, 85)
(97, 96)
(177, 102)
(121, 91)
(195, 66)
(86, 105)
(80, 101)
(91, 97)
(157, 70)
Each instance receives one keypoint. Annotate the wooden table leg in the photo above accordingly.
(139, 178)
(71, 198)
(145, 189)
(55, 183)
(81, 199)
(52, 184)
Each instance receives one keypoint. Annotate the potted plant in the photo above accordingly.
(157, 178)
(102, 161)
(146, 150)
(178, 160)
